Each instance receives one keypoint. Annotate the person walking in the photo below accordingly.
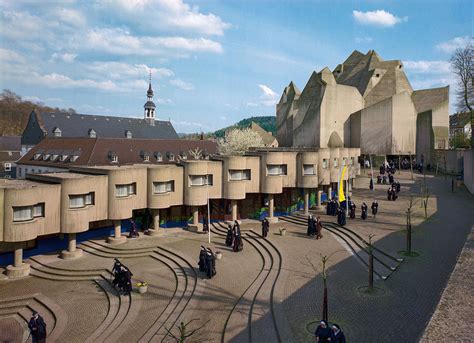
(230, 236)
(323, 333)
(364, 211)
(37, 328)
(319, 228)
(202, 259)
(375, 208)
(339, 336)
(210, 264)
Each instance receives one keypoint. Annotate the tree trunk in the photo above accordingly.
(325, 304)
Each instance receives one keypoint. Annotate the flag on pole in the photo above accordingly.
(340, 185)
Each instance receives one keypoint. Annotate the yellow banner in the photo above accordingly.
(340, 187)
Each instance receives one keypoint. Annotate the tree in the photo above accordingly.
(462, 65)
(424, 195)
(183, 332)
(237, 142)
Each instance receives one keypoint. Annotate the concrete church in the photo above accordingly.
(368, 103)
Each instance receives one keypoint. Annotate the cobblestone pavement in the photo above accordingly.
(272, 291)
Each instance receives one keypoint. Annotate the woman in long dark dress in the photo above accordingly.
(375, 208)
(213, 262)
(324, 333)
(364, 211)
(339, 336)
(352, 214)
(209, 264)
(230, 236)
(202, 259)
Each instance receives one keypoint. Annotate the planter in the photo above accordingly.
(218, 255)
(283, 232)
(142, 289)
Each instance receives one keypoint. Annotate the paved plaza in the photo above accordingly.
(270, 292)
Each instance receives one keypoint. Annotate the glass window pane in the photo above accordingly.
(38, 210)
(89, 199)
(76, 201)
(22, 213)
(308, 169)
(121, 190)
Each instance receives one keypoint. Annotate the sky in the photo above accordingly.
(213, 63)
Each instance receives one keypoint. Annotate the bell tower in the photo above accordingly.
(149, 106)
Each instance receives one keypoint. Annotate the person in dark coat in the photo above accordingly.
(390, 178)
(205, 223)
(210, 263)
(37, 328)
(324, 333)
(237, 227)
(339, 336)
(116, 270)
(230, 236)
(397, 186)
(147, 219)
(265, 227)
(352, 209)
(202, 259)
(319, 228)
(336, 207)
(128, 282)
(133, 230)
(371, 184)
(384, 180)
(308, 229)
(389, 194)
(238, 245)
(382, 169)
(375, 208)
(379, 179)
(364, 211)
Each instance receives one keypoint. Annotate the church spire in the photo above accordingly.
(150, 105)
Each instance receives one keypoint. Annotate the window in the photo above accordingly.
(308, 169)
(57, 132)
(19, 172)
(239, 174)
(63, 158)
(92, 133)
(73, 158)
(128, 134)
(8, 167)
(159, 158)
(276, 169)
(352, 161)
(125, 190)
(335, 162)
(344, 161)
(163, 187)
(325, 163)
(114, 159)
(201, 180)
(81, 200)
(146, 158)
(46, 157)
(171, 157)
(54, 157)
(25, 213)
(37, 156)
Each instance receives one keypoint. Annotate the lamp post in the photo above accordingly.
(208, 211)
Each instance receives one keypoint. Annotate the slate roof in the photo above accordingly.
(78, 125)
(459, 119)
(98, 151)
(10, 143)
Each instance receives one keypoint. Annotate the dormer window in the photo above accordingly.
(37, 156)
(74, 158)
(170, 156)
(46, 157)
(159, 157)
(63, 158)
(377, 75)
(92, 133)
(54, 157)
(128, 134)
(114, 159)
(146, 158)
(57, 132)
(183, 155)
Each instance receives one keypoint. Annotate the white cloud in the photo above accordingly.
(33, 98)
(70, 16)
(65, 57)
(453, 44)
(427, 67)
(268, 96)
(121, 42)
(164, 101)
(377, 18)
(55, 80)
(118, 70)
(10, 55)
(167, 14)
(187, 124)
(252, 104)
(182, 84)
(361, 40)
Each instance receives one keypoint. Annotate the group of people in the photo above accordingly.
(207, 262)
(332, 207)
(325, 333)
(234, 238)
(392, 192)
(265, 227)
(315, 227)
(122, 277)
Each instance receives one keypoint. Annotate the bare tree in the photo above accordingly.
(184, 333)
(462, 65)
(424, 195)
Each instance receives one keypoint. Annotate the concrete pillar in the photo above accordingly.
(156, 224)
(329, 193)
(71, 251)
(306, 201)
(271, 203)
(18, 269)
(233, 204)
(118, 238)
(195, 226)
(318, 198)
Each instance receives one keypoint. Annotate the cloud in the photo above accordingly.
(121, 42)
(377, 18)
(10, 55)
(188, 124)
(167, 14)
(33, 98)
(119, 70)
(182, 84)
(268, 96)
(361, 40)
(65, 57)
(164, 101)
(252, 104)
(70, 16)
(427, 67)
(453, 44)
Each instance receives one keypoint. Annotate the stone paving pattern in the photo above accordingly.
(253, 297)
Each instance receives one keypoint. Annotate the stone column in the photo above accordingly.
(18, 269)
(306, 201)
(233, 204)
(71, 251)
(195, 226)
(271, 203)
(318, 198)
(329, 193)
(118, 238)
(156, 224)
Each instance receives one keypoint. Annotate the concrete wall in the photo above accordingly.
(376, 128)
(307, 181)
(440, 122)
(198, 195)
(165, 173)
(403, 124)
(324, 174)
(237, 189)
(469, 170)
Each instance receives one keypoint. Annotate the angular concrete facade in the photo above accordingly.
(365, 103)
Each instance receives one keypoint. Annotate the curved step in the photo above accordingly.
(105, 250)
(41, 270)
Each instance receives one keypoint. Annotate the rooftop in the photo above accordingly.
(20, 184)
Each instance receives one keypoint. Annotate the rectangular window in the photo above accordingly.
(81, 200)
(201, 180)
(276, 169)
(239, 174)
(352, 161)
(335, 162)
(325, 163)
(125, 190)
(163, 187)
(308, 169)
(8, 167)
(343, 161)
(25, 213)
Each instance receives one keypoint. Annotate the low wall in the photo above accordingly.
(469, 170)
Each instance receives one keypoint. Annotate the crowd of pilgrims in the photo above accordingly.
(329, 333)
(122, 277)
(234, 237)
(334, 208)
(394, 189)
(315, 227)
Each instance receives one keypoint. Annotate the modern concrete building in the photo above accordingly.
(56, 210)
(366, 103)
